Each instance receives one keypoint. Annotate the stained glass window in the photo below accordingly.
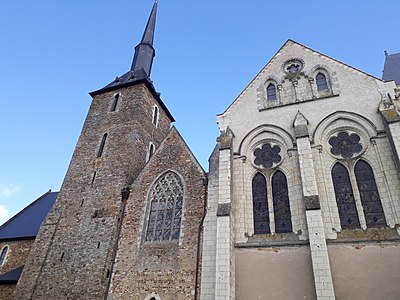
(166, 202)
(370, 199)
(271, 92)
(267, 155)
(283, 221)
(3, 255)
(260, 204)
(344, 197)
(322, 84)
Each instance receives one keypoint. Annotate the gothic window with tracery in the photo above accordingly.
(344, 197)
(370, 200)
(345, 145)
(260, 204)
(322, 84)
(283, 221)
(271, 92)
(267, 156)
(3, 255)
(166, 203)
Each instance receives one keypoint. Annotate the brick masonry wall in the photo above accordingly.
(164, 268)
(73, 253)
(17, 255)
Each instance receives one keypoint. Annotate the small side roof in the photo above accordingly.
(26, 224)
(391, 70)
(12, 276)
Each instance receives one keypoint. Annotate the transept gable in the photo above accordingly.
(298, 74)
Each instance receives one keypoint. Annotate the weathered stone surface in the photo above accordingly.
(74, 250)
(166, 268)
(224, 209)
(312, 202)
(18, 252)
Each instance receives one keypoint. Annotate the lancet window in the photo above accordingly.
(322, 83)
(271, 92)
(280, 202)
(368, 192)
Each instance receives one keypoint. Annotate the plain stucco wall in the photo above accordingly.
(366, 271)
(274, 273)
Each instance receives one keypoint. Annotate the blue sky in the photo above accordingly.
(52, 53)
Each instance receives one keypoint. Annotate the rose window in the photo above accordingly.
(345, 145)
(267, 155)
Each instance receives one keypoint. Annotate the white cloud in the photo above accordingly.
(9, 190)
(4, 214)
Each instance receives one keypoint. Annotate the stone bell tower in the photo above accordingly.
(73, 254)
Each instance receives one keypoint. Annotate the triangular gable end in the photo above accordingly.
(287, 44)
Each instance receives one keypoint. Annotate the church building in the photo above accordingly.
(301, 200)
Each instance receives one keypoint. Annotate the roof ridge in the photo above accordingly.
(26, 207)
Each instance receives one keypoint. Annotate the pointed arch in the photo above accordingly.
(283, 218)
(344, 197)
(166, 205)
(370, 199)
(260, 204)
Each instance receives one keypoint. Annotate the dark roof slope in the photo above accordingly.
(391, 71)
(12, 276)
(25, 224)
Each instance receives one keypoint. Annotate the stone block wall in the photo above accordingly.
(75, 246)
(167, 269)
(18, 252)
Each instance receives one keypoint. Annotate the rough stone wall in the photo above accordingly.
(17, 255)
(75, 246)
(18, 252)
(7, 291)
(168, 268)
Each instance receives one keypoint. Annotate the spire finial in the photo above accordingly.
(144, 52)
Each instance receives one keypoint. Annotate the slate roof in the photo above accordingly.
(11, 277)
(391, 70)
(25, 224)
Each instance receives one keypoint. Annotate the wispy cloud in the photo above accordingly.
(4, 214)
(9, 190)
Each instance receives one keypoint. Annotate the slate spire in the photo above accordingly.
(144, 51)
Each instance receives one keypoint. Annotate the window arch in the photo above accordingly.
(3, 255)
(321, 81)
(166, 203)
(271, 92)
(260, 204)
(283, 220)
(344, 197)
(370, 200)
